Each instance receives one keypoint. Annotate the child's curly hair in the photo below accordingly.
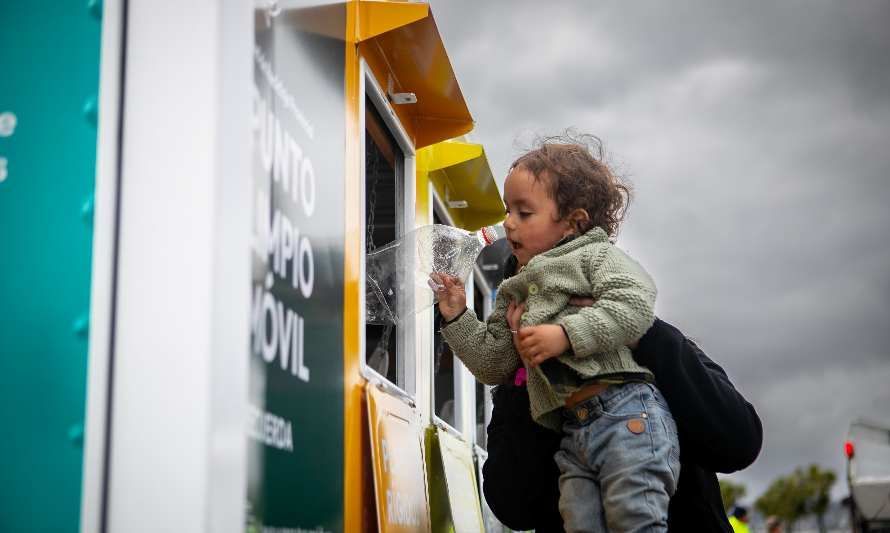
(572, 167)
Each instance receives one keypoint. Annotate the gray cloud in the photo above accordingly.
(756, 136)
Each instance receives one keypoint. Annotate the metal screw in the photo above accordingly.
(94, 7)
(81, 326)
(75, 434)
(86, 210)
(8, 122)
(272, 11)
(91, 110)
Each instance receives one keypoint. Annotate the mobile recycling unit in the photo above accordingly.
(187, 195)
(868, 475)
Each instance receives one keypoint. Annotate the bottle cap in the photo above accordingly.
(492, 233)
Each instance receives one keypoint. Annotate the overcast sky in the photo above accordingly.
(757, 137)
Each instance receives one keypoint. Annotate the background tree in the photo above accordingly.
(819, 483)
(785, 498)
(806, 490)
(731, 492)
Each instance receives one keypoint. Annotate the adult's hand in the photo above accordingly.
(514, 316)
(514, 319)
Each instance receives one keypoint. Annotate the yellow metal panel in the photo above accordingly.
(460, 477)
(377, 17)
(413, 57)
(358, 491)
(372, 18)
(432, 129)
(462, 178)
(422, 214)
(440, 509)
(446, 154)
(399, 472)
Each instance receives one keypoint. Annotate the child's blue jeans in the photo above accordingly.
(619, 461)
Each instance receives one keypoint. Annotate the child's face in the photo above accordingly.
(532, 222)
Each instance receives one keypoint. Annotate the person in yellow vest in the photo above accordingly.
(739, 520)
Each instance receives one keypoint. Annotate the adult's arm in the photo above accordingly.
(719, 430)
(621, 309)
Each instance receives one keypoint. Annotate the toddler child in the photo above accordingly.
(619, 458)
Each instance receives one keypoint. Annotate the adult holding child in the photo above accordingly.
(619, 461)
(619, 458)
(719, 431)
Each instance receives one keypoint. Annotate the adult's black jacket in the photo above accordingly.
(719, 432)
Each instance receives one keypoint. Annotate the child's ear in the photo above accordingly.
(578, 220)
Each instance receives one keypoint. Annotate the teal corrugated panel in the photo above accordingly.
(49, 80)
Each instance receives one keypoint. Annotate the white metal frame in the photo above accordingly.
(406, 354)
(178, 449)
(464, 382)
(488, 294)
(101, 287)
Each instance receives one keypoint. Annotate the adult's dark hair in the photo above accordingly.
(740, 512)
(573, 169)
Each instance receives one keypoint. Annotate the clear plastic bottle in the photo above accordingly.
(398, 283)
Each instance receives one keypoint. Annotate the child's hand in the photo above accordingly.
(539, 343)
(451, 294)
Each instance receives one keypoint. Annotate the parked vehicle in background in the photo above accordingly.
(868, 475)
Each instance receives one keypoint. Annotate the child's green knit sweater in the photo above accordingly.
(589, 265)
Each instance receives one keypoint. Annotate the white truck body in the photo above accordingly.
(868, 474)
